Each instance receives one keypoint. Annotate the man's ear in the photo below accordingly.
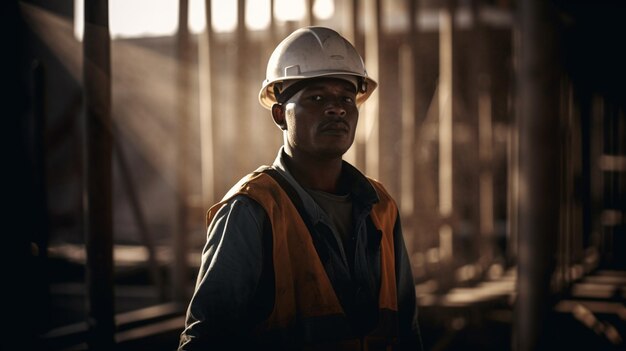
(278, 115)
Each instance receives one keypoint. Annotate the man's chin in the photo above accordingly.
(333, 153)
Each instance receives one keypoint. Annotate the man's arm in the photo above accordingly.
(410, 338)
(231, 267)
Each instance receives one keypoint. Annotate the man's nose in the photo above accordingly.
(335, 108)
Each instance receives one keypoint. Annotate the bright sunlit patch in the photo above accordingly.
(197, 21)
(155, 18)
(289, 10)
(257, 14)
(132, 19)
(143, 18)
(78, 19)
(223, 15)
(324, 9)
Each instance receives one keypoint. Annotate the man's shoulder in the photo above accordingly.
(378, 186)
(236, 206)
(252, 177)
(384, 198)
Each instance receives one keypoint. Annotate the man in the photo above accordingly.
(308, 253)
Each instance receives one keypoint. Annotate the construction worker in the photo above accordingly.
(308, 253)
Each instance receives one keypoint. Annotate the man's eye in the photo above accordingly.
(348, 100)
(316, 98)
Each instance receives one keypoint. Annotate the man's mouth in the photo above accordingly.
(336, 127)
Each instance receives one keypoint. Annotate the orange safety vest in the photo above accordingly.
(305, 303)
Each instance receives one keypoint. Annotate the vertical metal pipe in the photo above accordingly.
(21, 272)
(446, 141)
(349, 32)
(539, 150)
(485, 199)
(512, 193)
(419, 105)
(272, 28)
(567, 229)
(407, 177)
(485, 180)
(372, 60)
(349, 21)
(513, 174)
(596, 150)
(584, 105)
(612, 211)
(619, 195)
(245, 121)
(180, 237)
(98, 184)
(353, 10)
(309, 12)
(414, 42)
(408, 126)
(205, 47)
(39, 157)
(40, 218)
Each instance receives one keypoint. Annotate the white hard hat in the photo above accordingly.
(314, 52)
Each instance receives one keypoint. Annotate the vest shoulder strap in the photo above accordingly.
(293, 196)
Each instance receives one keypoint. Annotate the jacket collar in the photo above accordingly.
(362, 191)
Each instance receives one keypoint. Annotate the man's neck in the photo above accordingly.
(315, 173)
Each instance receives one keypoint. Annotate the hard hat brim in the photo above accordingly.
(267, 98)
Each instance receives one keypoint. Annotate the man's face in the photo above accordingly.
(321, 119)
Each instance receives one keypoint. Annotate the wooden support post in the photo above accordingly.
(98, 182)
(539, 150)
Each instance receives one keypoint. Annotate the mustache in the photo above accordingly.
(331, 123)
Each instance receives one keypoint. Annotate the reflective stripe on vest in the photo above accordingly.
(305, 302)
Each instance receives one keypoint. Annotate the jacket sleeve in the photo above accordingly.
(230, 270)
(409, 332)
